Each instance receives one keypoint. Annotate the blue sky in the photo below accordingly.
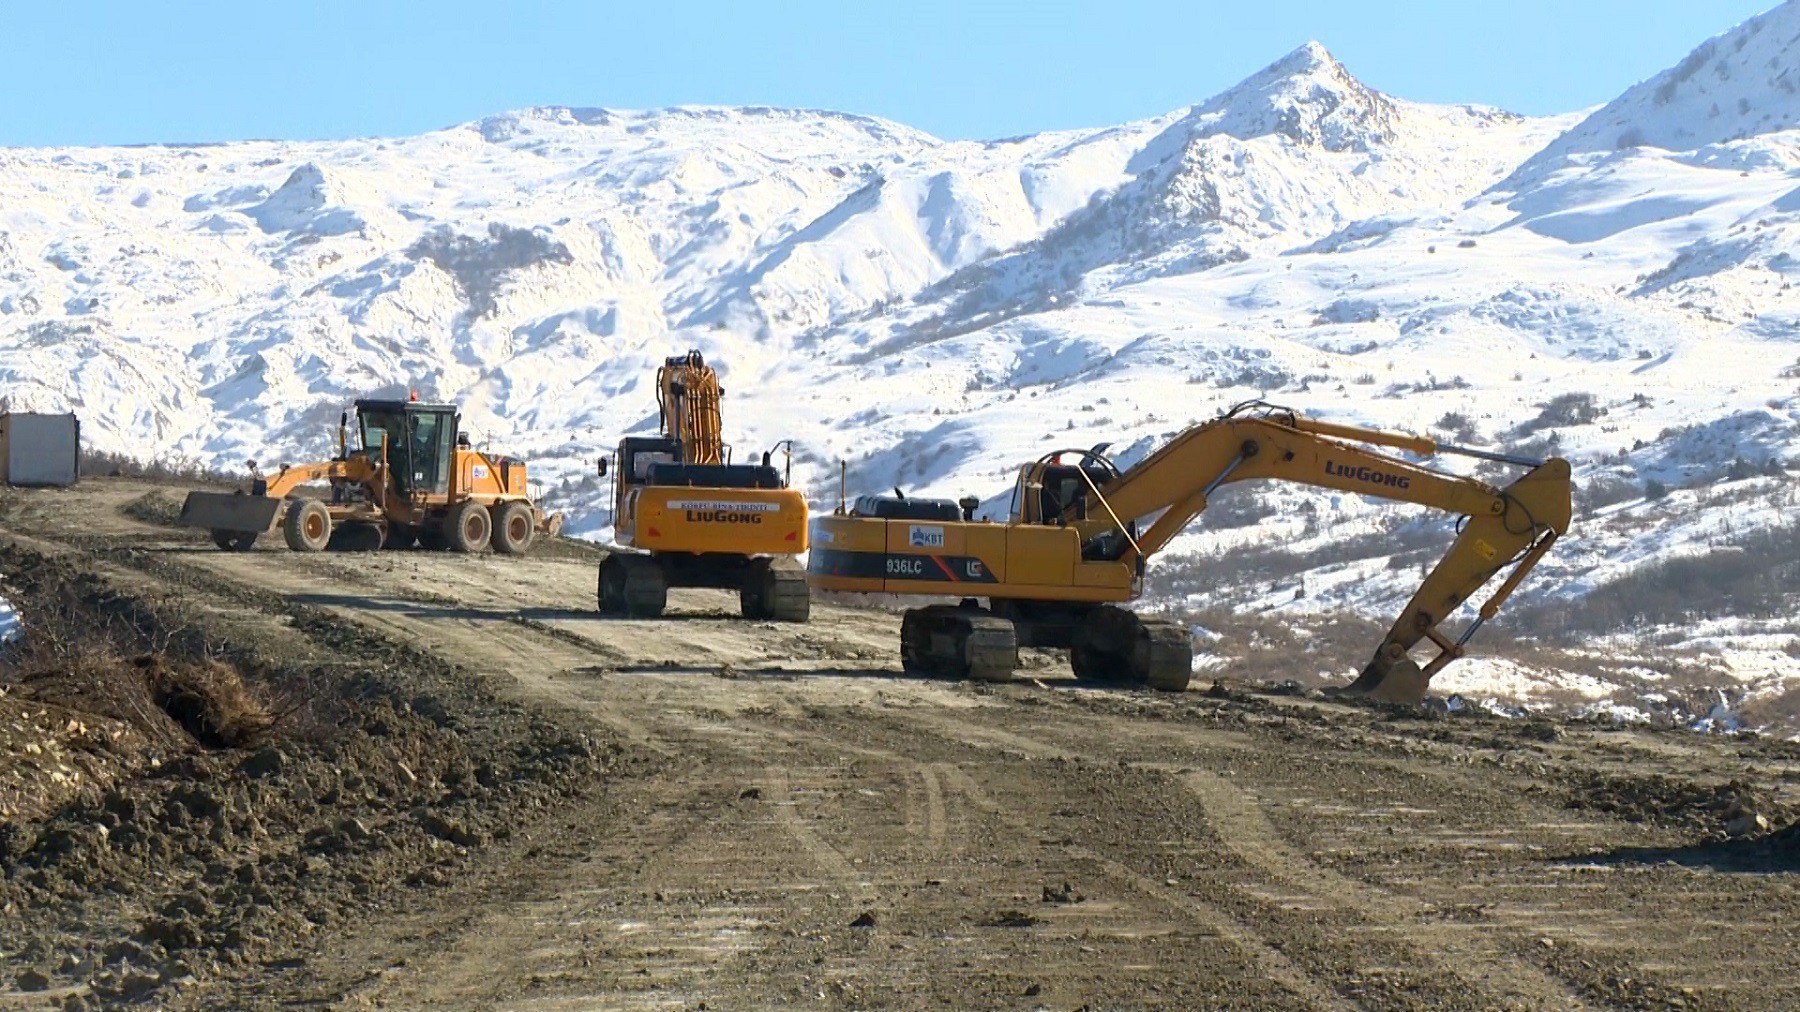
(126, 71)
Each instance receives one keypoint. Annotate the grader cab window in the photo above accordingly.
(383, 426)
(420, 441)
(432, 438)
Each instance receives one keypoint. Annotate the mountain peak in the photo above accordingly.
(1306, 96)
(1309, 58)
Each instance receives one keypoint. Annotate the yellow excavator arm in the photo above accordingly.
(687, 398)
(1510, 527)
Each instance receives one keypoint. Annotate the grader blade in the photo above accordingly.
(229, 511)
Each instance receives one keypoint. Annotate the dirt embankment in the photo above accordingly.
(227, 796)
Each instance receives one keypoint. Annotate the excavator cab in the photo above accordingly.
(1053, 493)
(420, 443)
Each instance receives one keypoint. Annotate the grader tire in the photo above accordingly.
(468, 527)
(515, 528)
(308, 526)
(357, 537)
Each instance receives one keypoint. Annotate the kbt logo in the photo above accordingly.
(925, 537)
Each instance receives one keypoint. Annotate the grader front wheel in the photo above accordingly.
(308, 526)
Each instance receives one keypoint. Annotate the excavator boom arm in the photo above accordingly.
(1514, 526)
(688, 398)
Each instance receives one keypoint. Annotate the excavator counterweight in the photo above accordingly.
(1081, 532)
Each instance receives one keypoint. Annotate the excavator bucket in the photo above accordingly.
(229, 511)
(1399, 682)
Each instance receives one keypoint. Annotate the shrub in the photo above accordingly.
(1563, 412)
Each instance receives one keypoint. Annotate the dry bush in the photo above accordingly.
(209, 700)
(1562, 412)
(100, 463)
(72, 658)
(86, 674)
(1755, 577)
(1776, 711)
(1275, 650)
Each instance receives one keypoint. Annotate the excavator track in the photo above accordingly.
(1115, 645)
(953, 641)
(632, 586)
(775, 591)
(1164, 657)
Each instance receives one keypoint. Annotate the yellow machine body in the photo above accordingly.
(960, 558)
(698, 519)
(412, 479)
(1079, 535)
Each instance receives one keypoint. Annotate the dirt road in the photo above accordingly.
(808, 826)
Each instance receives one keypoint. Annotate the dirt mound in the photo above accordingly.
(1673, 802)
(158, 507)
(232, 837)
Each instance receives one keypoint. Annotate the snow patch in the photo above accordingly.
(9, 621)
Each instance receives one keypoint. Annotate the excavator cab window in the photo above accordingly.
(1062, 488)
(637, 456)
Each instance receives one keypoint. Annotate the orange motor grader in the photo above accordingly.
(415, 480)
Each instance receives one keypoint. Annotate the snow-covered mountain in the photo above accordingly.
(1617, 286)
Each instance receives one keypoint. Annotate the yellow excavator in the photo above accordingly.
(415, 480)
(685, 515)
(1082, 530)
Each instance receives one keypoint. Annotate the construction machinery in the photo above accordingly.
(685, 515)
(414, 480)
(1081, 531)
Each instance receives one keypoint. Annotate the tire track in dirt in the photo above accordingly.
(1252, 946)
(1466, 951)
(1255, 949)
(1504, 980)
(936, 824)
(781, 798)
